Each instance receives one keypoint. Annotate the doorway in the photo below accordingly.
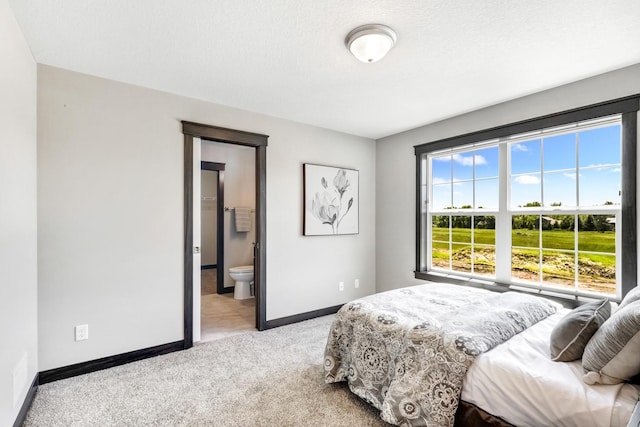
(193, 134)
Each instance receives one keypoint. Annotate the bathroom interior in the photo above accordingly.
(228, 205)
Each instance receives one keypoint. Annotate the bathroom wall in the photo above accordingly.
(18, 222)
(239, 190)
(209, 217)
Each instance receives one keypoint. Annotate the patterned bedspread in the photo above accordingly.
(407, 351)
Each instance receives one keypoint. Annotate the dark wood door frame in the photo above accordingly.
(219, 167)
(231, 136)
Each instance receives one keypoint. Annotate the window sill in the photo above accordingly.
(567, 300)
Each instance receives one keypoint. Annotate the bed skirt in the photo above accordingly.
(469, 415)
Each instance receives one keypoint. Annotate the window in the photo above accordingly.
(546, 204)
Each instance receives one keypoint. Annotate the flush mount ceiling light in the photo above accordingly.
(371, 42)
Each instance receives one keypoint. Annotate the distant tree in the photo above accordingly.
(556, 204)
(461, 222)
(608, 203)
(601, 224)
(441, 221)
(567, 222)
(532, 205)
(529, 222)
(485, 222)
(589, 224)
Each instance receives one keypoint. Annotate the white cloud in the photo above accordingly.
(519, 147)
(616, 170)
(437, 180)
(468, 160)
(571, 175)
(527, 179)
(602, 167)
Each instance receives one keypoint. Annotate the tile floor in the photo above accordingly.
(222, 315)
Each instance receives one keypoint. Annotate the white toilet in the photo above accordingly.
(243, 275)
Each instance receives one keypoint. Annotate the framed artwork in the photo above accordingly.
(331, 199)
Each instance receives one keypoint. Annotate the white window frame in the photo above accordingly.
(565, 122)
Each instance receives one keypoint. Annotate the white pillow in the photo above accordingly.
(611, 356)
(632, 295)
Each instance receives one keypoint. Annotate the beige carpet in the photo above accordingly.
(270, 378)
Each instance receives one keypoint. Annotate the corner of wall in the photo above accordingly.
(18, 219)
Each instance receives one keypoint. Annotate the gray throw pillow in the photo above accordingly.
(611, 356)
(570, 336)
(632, 295)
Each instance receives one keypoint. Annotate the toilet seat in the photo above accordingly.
(241, 269)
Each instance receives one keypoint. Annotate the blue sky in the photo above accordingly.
(597, 172)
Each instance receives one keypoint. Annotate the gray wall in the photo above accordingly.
(18, 234)
(239, 190)
(395, 185)
(110, 177)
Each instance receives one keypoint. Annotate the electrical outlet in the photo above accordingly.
(341, 286)
(82, 332)
(357, 283)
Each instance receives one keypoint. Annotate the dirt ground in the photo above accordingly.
(557, 269)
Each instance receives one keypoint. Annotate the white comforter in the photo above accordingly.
(518, 382)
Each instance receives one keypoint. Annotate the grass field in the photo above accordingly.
(595, 271)
(588, 241)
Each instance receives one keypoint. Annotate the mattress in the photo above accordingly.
(518, 382)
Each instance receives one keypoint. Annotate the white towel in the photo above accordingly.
(243, 220)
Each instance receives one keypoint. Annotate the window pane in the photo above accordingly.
(440, 197)
(597, 273)
(462, 166)
(484, 230)
(525, 264)
(560, 189)
(525, 157)
(559, 152)
(558, 232)
(599, 146)
(461, 229)
(484, 260)
(440, 169)
(440, 241)
(600, 186)
(440, 255)
(463, 195)
(558, 268)
(525, 231)
(440, 227)
(596, 233)
(461, 257)
(525, 190)
(487, 163)
(487, 194)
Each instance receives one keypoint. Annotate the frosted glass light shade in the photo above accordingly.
(370, 43)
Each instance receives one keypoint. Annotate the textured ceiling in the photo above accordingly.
(286, 58)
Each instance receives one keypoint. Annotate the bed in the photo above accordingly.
(440, 354)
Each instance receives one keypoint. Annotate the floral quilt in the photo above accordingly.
(406, 351)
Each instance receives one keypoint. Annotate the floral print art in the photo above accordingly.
(328, 205)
